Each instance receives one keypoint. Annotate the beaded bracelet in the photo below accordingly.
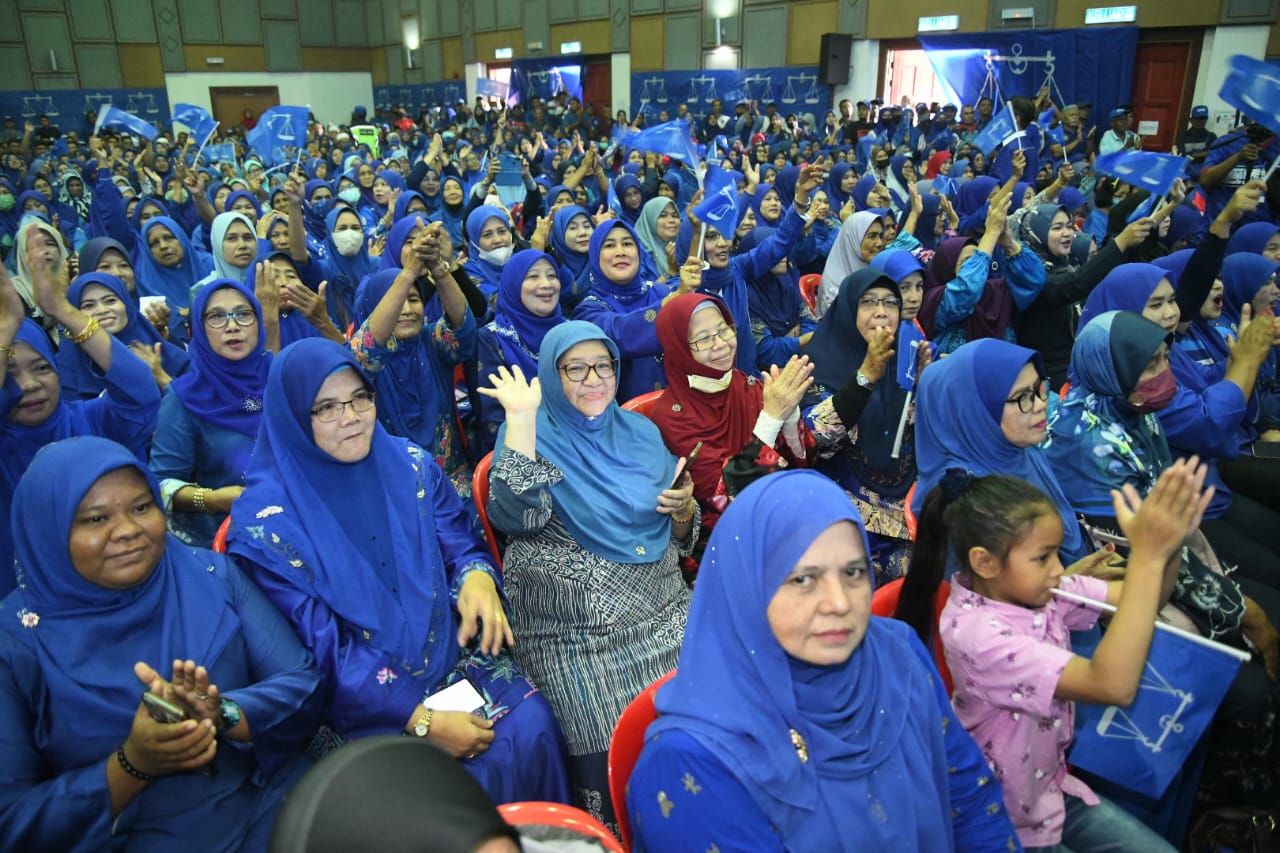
(198, 499)
(130, 769)
(90, 329)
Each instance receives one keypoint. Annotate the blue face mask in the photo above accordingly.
(321, 208)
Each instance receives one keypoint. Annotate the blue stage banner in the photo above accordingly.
(67, 108)
(1094, 65)
(795, 90)
(543, 78)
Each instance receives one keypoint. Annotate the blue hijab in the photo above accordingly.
(862, 191)
(173, 283)
(742, 697)
(1097, 441)
(452, 215)
(622, 297)
(294, 325)
(78, 373)
(1248, 238)
(239, 194)
(315, 212)
(218, 390)
(1204, 340)
(724, 283)
(897, 264)
(836, 350)
(399, 232)
(614, 465)
(757, 201)
(620, 186)
(959, 405)
(358, 538)
(519, 330)
(1243, 275)
(837, 197)
(343, 273)
(774, 300)
(570, 260)
(89, 637)
(409, 389)
(487, 276)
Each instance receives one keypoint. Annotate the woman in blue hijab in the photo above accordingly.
(854, 408)
(359, 540)
(210, 416)
(86, 634)
(411, 362)
(625, 304)
(1261, 238)
(584, 489)
(528, 307)
(796, 720)
(489, 248)
(630, 198)
(167, 264)
(569, 243)
(983, 409)
(345, 263)
(105, 297)
(452, 210)
(33, 412)
(781, 322)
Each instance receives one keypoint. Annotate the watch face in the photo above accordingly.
(420, 729)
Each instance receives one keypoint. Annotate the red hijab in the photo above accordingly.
(722, 421)
(934, 166)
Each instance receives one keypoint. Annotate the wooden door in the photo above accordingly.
(597, 85)
(1163, 76)
(229, 103)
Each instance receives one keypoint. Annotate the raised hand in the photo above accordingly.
(785, 387)
(513, 392)
(1172, 510)
(879, 351)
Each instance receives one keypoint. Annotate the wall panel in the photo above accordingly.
(349, 24)
(44, 33)
(89, 20)
(99, 66)
(682, 48)
(648, 42)
(764, 38)
(284, 53)
(134, 21)
(808, 21)
(199, 21)
(240, 22)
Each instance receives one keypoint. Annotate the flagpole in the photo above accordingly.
(1162, 626)
(702, 236)
(1014, 117)
(1271, 169)
(902, 425)
(196, 162)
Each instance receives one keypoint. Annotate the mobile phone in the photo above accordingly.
(161, 710)
(459, 696)
(683, 465)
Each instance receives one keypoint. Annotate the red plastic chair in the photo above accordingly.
(884, 601)
(220, 538)
(912, 522)
(809, 285)
(480, 494)
(624, 750)
(566, 817)
(643, 403)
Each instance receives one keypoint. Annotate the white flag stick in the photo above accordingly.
(1162, 626)
(195, 164)
(902, 426)
(1014, 117)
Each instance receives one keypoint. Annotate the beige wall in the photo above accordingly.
(806, 22)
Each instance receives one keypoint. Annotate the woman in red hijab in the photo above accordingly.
(747, 427)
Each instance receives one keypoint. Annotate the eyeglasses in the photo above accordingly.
(708, 341)
(1026, 401)
(872, 302)
(327, 413)
(578, 372)
(219, 319)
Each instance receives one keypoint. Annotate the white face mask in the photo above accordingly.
(348, 242)
(350, 195)
(497, 257)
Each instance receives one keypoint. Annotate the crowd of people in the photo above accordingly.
(245, 404)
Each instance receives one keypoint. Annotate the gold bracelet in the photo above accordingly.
(8, 350)
(90, 329)
(198, 499)
(688, 518)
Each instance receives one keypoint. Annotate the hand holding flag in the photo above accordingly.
(672, 138)
(719, 205)
(110, 116)
(996, 132)
(278, 129)
(198, 119)
(1144, 169)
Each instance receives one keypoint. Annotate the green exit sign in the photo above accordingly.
(1111, 15)
(938, 23)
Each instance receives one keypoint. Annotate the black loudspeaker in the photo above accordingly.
(833, 64)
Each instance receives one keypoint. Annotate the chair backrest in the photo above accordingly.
(809, 285)
(624, 750)
(912, 521)
(480, 494)
(884, 601)
(643, 403)
(566, 817)
(220, 538)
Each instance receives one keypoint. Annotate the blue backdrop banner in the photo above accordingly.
(1094, 66)
(795, 90)
(543, 78)
(415, 97)
(67, 108)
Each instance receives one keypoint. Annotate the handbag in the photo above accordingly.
(1240, 829)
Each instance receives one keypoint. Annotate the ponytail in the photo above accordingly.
(992, 512)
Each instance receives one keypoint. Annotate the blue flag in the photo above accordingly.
(909, 337)
(997, 131)
(719, 205)
(1253, 87)
(279, 129)
(198, 119)
(672, 138)
(1142, 747)
(612, 200)
(109, 116)
(945, 186)
(222, 153)
(1144, 169)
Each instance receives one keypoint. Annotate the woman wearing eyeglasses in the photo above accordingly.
(598, 521)
(209, 417)
(361, 542)
(854, 409)
(747, 427)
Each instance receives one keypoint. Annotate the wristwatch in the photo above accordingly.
(230, 715)
(865, 381)
(423, 726)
